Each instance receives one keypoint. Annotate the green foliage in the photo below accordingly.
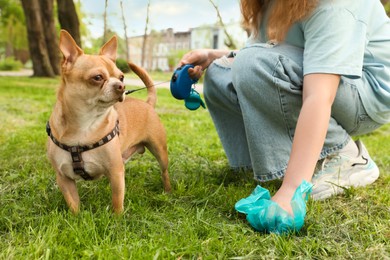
(13, 35)
(174, 58)
(122, 65)
(11, 8)
(10, 64)
(387, 8)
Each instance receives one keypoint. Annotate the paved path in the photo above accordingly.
(128, 81)
(19, 73)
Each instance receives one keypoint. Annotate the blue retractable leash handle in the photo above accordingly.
(181, 88)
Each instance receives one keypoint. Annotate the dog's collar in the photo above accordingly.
(75, 151)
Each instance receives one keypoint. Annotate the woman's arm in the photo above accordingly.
(319, 91)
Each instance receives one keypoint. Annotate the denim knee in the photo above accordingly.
(218, 87)
(271, 63)
(248, 68)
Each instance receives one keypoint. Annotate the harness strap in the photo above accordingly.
(75, 151)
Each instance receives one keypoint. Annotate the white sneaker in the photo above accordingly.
(337, 172)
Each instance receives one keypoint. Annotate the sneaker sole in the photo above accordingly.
(330, 186)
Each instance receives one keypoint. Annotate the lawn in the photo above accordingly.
(196, 221)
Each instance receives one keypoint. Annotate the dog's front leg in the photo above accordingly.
(69, 191)
(117, 182)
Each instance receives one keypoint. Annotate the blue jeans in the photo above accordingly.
(255, 102)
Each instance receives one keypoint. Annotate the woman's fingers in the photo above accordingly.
(196, 72)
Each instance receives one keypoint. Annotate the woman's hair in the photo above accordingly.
(282, 14)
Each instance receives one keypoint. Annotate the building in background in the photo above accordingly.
(164, 49)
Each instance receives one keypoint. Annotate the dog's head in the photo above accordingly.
(93, 80)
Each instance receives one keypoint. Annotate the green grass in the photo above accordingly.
(196, 221)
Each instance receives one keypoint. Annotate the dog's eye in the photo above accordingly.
(97, 78)
(121, 78)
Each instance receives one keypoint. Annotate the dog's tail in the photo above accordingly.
(147, 80)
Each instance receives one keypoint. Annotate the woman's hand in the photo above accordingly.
(283, 198)
(266, 215)
(201, 59)
(198, 58)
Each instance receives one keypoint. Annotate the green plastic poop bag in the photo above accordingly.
(264, 215)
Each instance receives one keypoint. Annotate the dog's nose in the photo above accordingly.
(119, 86)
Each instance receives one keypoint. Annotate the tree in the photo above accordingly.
(42, 37)
(67, 16)
(145, 38)
(105, 22)
(229, 42)
(125, 30)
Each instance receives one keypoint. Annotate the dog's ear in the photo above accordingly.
(69, 47)
(109, 49)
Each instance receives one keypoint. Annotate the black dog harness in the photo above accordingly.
(75, 151)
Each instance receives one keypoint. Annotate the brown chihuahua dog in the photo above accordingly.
(93, 130)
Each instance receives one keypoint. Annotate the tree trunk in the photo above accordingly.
(145, 37)
(105, 23)
(42, 38)
(68, 19)
(125, 31)
(50, 33)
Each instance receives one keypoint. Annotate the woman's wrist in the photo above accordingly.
(216, 54)
(289, 187)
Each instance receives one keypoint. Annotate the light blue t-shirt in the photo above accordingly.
(350, 38)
